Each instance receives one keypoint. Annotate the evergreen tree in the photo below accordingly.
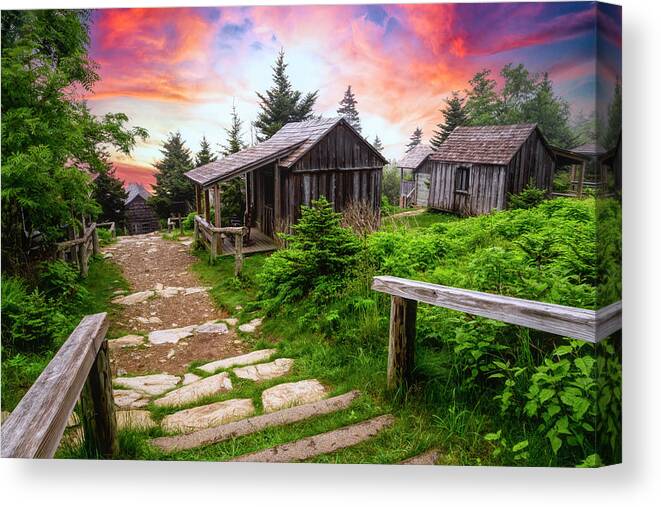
(171, 184)
(416, 139)
(108, 191)
(348, 109)
(378, 144)
(614, 126)
(454, 116)
(205, 155)
(482, 102)
(281, 103)
(234, 135)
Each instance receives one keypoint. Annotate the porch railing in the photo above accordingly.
(212, 238)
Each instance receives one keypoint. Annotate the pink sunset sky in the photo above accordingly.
(182, 68)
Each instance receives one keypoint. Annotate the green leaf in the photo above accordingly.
(520, 445)
(492, 436)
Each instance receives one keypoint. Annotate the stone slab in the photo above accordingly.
(429, 457)
(129, 399)
(153, 385)
(189, 378)
(323, 443)
(265, 371)
(130, 340)
(208, 416)
(135, 298)
(196, 390)
(254, 424)
(170, 335)
(212, 327)
(251, 326)
(134, 419)
(251, 358)
(292, 394)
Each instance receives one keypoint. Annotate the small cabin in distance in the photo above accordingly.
(298, 164)
(140, 217)
(415, 192)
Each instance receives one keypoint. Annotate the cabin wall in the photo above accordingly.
(422, 182)
(532, 163)
(140, 217)
(486, 190)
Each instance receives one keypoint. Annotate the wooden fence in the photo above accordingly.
(212, 238)
(588, 325)
(77, 251)
(111, 227)
(80, 369)
(407, 190)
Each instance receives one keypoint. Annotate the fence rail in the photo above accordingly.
(81, 366)
(588, 325)
(111, 227)
(77, 251)
(212, 238)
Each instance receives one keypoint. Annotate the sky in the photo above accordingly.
(181, 69)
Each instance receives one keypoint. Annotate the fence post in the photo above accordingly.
(95, 243)
(98, 408)
(238, 255)
(196, 231)
(82, 258)
(215, 239)
(401, 347)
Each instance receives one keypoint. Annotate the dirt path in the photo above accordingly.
(149, 262)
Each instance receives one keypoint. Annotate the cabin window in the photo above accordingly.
(462, 179)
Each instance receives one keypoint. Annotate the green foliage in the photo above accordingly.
(281, 103)
(378, 145)
(415, 140)
(348, 109)
(108, 191)
(614, 125)
(234, 136)
(189, 221)
(390, 184)
(454, 115)
(320, 254)
(530, 197)
(205, 155)
(171, 184)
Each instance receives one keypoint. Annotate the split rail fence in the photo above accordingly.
(79, 370)
(212, 238)
(78, 251)
(587, 325)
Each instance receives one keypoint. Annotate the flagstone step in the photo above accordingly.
(152, 385)
(323, 443)
(265, 371)
(255, 424)
(130, 340)
(134, 419)
(429, 457)
(194, 391)
(207, 416)
(257, 356)
(292, 394)
(127, 399)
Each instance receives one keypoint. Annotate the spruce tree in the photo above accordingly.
(416, 139)
(281, 103)
(205, 155)
(614, 126)
(454, 116)
(348, 109)
(171, 184)
(108, 191)
(234, 135)
(378, 144)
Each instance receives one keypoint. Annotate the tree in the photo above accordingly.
(482, 103)
(391, 184)
(205, 155)
(415, 140)
(234, 135)
(171, 184)
(378, 145)
(108, 191)
(281, 103)
(348, 109)
(51, 143)
(454, 116)
(614, 125)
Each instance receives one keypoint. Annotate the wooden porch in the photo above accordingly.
(258, 242)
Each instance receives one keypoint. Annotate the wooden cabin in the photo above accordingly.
(140, 217)
(300, 163)
(476, 168)
(415, 192)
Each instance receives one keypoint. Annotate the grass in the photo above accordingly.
(424, 219)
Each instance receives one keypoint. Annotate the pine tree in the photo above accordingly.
(614, 126)
(108, 191)
(171, 184)
(348, 109)
(416, 139)
(281, 103)
(378, 144)
(205, 155)
(234, 135)
(454, 116)
(482, 100)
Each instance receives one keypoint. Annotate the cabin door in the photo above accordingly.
(462, 186)
(264, 201)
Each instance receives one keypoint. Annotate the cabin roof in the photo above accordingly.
(414, 158)
(492, 144)
(135, 190)
(287, 145)
(594, 149)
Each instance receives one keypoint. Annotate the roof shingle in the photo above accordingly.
(134, 190)
(415, 157)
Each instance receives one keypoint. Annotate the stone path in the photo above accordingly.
(178, 359)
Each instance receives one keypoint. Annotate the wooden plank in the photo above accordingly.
(608, 320)
(35, 427)
(401, 347)
(557, 319)
(254, 424)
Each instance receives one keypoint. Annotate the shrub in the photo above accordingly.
(189, 221)
(390, 184)
(530, 197)
(60, 284)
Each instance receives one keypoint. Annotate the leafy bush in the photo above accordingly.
(60, 284)
(390, 184)
(189, 221)
(105, 236)
(319, 255)
(530, 197)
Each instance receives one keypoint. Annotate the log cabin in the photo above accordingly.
(415, 192)
(476, 168)
(298, 164)
(140, 217)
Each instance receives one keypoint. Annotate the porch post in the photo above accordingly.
(207, 206)
(276, 197)
(581, 179)
(198, 200)
(217, 236)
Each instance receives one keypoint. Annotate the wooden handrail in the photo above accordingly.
(213, 236)
(587, 325)
(34, 429)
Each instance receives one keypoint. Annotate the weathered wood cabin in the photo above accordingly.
(476, 168)
(415, 192)
(301, 162)
(140, 217)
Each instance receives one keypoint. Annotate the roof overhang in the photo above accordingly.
(569, 157)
